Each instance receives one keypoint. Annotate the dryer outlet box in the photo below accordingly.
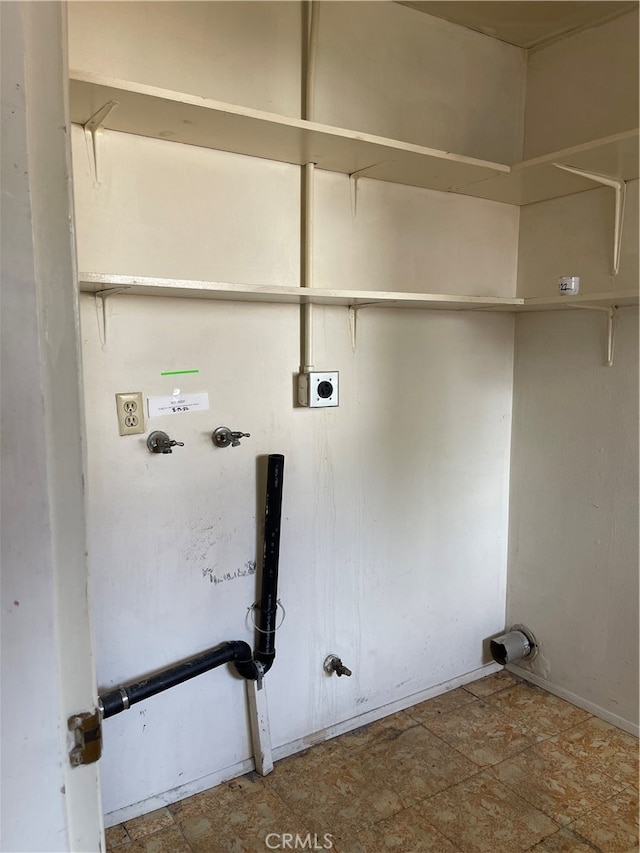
(318, 389)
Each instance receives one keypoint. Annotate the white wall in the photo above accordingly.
(573, 573)
(396, 72)
(47, 663)
(573, 556)
(381, 68)
(582, 87)
(395, 510)
(395, 518)
(573, 235)
(180, 211)
(210, 49)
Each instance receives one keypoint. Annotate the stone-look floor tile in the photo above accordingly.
(385, 729)
(360, 787)
(116, 836)
(541, 712)
(222, 797)
(168, 840)
(243, 826)
(482, 733)
(556, 783)
(480, 815)
(604, 747)
(341, 795)
(441, 704)
(306, 761)
(406, 832)
(613, 826)
(148, 824)
(563, 842)
(415, 765)
(491, 684)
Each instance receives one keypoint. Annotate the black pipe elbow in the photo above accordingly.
(265, 659)
(243, 660)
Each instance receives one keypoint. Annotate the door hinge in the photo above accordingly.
(86, 729)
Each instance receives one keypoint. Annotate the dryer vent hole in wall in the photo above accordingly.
(517, 644)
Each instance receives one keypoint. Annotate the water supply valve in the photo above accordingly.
(223, 437)
(159, 442)
(332, 664)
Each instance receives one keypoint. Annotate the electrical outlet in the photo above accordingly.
(130, 413)
(318, 389)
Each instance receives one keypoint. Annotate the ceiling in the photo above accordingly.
(525, 24)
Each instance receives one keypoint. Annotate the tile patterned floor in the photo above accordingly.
(497, 766)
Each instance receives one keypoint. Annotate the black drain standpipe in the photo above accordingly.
(236, 652)
(268, 606)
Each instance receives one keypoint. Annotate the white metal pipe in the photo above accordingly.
(307, 278)
(313, 10)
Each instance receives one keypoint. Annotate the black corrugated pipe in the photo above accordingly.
(237, 651)
(123, 697)
(268, 605)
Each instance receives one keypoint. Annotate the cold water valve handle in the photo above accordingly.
(332, 664)
(159, 442)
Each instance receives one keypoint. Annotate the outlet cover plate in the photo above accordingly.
(318, 389)
(130, 413)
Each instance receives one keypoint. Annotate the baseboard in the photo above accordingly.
(585, 704)
(179, 793)
(383, 711)
(227, 773)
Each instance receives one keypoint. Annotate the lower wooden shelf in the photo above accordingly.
(612, 298)
(104, 284)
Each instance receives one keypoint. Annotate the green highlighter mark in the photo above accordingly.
(177, 372)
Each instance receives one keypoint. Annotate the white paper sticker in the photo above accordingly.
(177, 404)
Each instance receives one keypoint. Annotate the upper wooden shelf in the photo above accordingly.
(147, 286)
(538, 179)
(163, 114)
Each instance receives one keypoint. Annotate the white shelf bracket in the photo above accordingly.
(611, 313)
(620, 188)
(353, 327)
(611, 334)
(354, 177)
(93, 134)
(103, 295)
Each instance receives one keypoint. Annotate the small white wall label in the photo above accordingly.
(176, 405)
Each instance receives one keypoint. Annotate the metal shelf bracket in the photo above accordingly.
(611, 313)
(353, 327)
(619, 187)
(93, 134)
(102, 315)
(353, 184)
(611, 332)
